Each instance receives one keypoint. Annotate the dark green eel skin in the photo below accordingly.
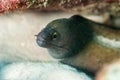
(80, 42)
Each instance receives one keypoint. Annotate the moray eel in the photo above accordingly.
(80, 42)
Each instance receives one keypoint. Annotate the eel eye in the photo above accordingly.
(54, 36)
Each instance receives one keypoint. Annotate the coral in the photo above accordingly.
(37, 3)
(87, 6)
(10, 5)
(6, 5)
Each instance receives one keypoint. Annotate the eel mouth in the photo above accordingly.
(110, 43)
(42, 43)
(46, 44)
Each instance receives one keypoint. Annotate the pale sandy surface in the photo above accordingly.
(17, 40)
